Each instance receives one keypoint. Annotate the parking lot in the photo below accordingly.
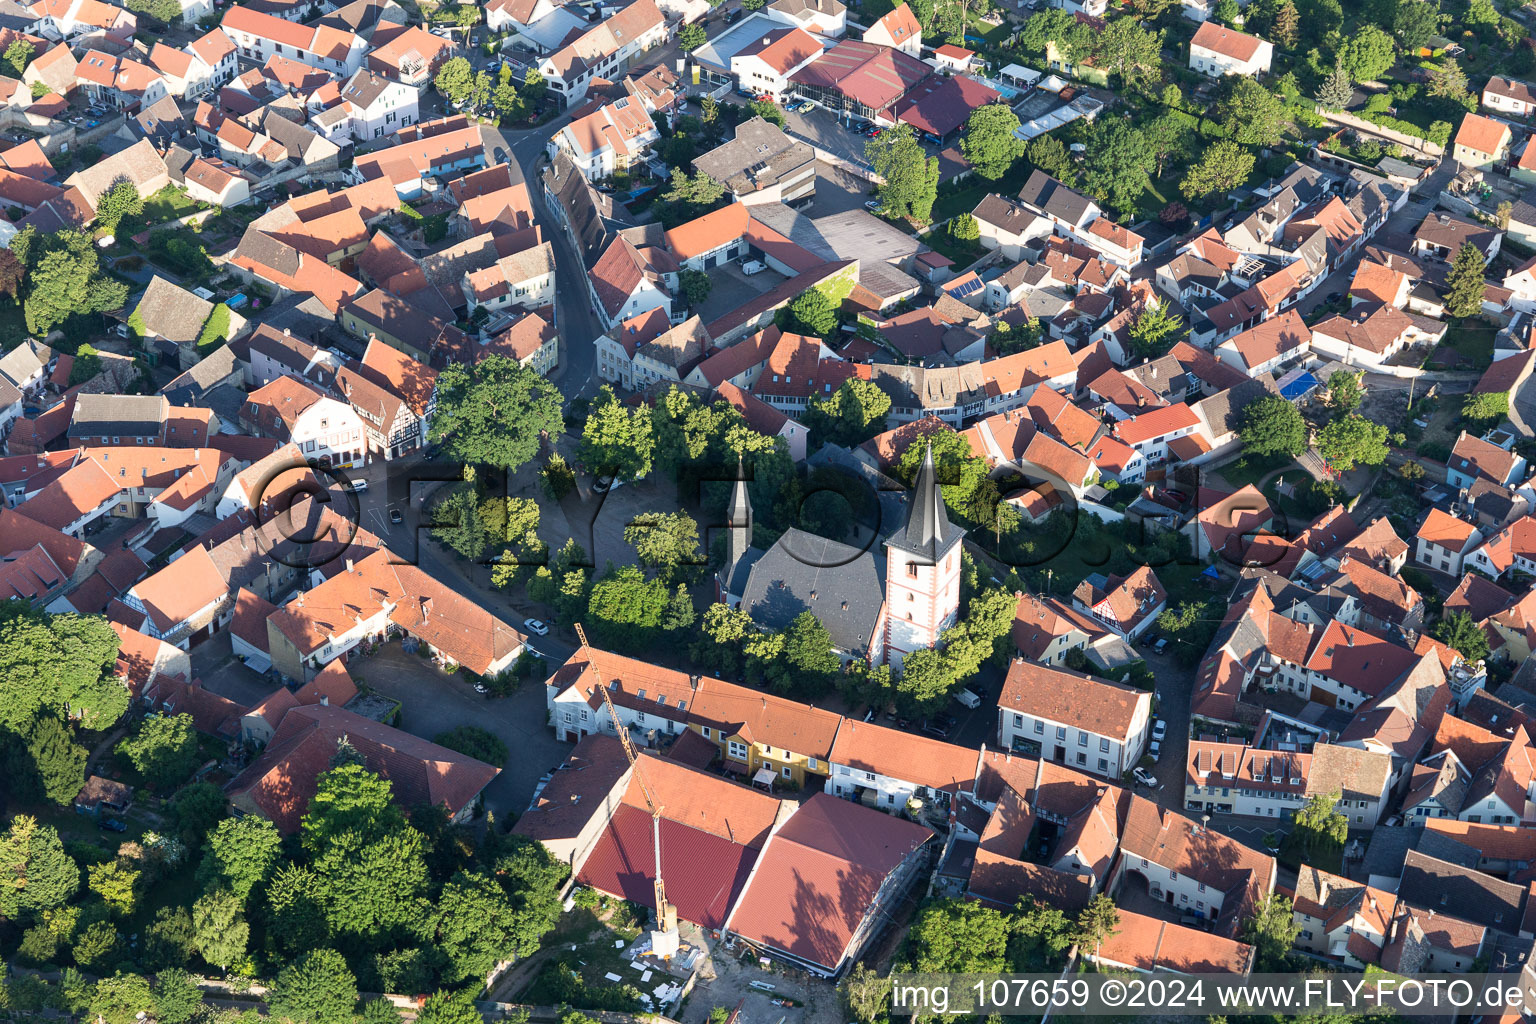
(821, 128)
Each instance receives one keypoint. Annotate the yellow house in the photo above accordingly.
(758, 732)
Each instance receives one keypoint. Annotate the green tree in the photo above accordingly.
(722, 633)
(1415, 22)
(1248, 112)
(117, 884)
(87, 365)
(1223, 167)
(219, 929)
(810, 313)
(864, 992)
(50, 756)
(1126, 50)
(957, 936)
(617, 440)
(1273, 426)
(493, 412)
(692, 196)
(532, 879)
(691, 37)
(626, 608)
(476, 742)
(241, 854)
(1352, 440)
(451, 1008)
(59, 665)
(119, 201)
(767, 110)
(989, 142)
(381, 1010)
(296, 920)
(121, 998)
(1167, 136)
(1465, 285)
(455, 80)
(177, 997)
(197, 808)
(1345, 390)
(807, 661)
(18, 56)
(695, 286)
(317, 989)
(1155, 330)
(1272, 931)
(668, 541)
(911, 175)
(1119, 162)
(1318, 831)
(1047, 153)
(1097, 922)
(925, 681)
(164, 751)
(963, 228)
(1286, 23)
(1227, 13)
(1480, 12)
(457, 523)
(854, 413)
(1368, 54)
(350, 799)
(1337, 89)
(1485, 407)
(1460, 631)
(99, 948)
(474, 926)
(35, 872)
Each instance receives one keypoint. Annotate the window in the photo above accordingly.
(1061, 732)
(1082, 758)
(911, 568)
(706, 732)
(1082, 739)
(785, 771)
(737, 750)
(1103, 765)
(1039, 725)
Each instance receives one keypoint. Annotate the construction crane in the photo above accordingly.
(664, 938)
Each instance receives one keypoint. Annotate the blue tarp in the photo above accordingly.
(1300, 388)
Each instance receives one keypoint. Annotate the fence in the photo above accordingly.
(1391, 134)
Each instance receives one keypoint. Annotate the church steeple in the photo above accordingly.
(738, 518)
(928, 531)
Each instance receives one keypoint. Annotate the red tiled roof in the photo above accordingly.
(281, 783)
(818, 878)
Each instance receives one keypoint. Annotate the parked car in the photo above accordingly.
(969, 699)
(112, 824)
(1155, 750)
(396, 517)
(536, 626)
(873, 206)
(482, 689)
(1145, 778)
(603, 485)
(1161, 646)
(751, 267)
(935, 728)
(1160, 730)
(359, 486)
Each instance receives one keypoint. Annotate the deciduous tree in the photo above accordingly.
(1248, 112)
(1352, 440)
(1272, 931)
(1119, 162)
(667, 541)
(1048, 154)
(855, 413)
(1368, 54)
(241, 854)
(164, 750)
(617, 440)
(1223, 167)
(119, 201)
(1128, 51)
(219, 928)
(1415, 22)
(1272, 426)
(911, 175)
(317, 989)
(494, 411)
(989, 142)
(960, 936)
(1460, 630)
(1345, 390)
(1155, 330)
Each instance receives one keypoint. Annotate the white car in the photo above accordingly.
(1145, 777)
(1155, 750)
(536, 626)
(1160, 730)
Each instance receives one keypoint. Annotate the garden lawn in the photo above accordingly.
(1253, 468)
(1472, 339)
(963, 253)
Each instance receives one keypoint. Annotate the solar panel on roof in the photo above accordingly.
(973, 285)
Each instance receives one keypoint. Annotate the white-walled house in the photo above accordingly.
(897, 766)
(260, 36)
(1443, 542)
(1216, 51)
(1089, 724)
(324, 429)
(1232, 778)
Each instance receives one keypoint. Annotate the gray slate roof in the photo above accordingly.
(840, 584)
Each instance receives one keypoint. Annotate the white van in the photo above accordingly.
(968, 698)
(753, 267)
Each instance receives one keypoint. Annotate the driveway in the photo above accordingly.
(433, 702)
(1175, 685)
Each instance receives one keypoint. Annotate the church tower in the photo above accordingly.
(922, 571)
(740, 555)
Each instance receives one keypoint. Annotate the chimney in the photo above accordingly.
(325, 701)
(300, 599)
(287, 333)
(349, 565)
(426, 608)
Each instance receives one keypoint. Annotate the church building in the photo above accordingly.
(878, 606)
